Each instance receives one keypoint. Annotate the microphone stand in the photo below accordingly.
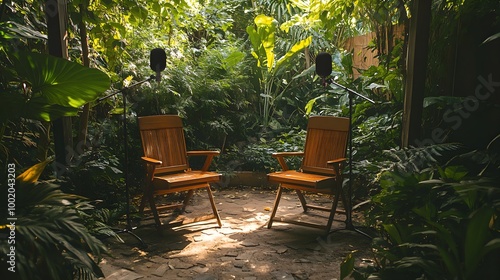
(129, 229)
(348, 209)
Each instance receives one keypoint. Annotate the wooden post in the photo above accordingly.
(418, 44)
(55, 11)
(84, 118)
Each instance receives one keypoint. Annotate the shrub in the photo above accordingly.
(435, 221)
(51, 241)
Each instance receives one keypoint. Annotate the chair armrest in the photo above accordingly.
(337, 165)
(284, 154)
(209, 154)
(280, 156)
(337, 161)
(151, 160)
(203, 153)
(151, 165)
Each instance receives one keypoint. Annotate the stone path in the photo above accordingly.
(242, 249)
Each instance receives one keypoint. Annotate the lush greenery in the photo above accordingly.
(242, 76)
(51, 233)
(437, 216)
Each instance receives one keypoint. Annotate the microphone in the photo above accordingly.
(158, 61)
(323, 65)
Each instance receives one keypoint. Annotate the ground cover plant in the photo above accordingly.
(437, 217)
(50, 232)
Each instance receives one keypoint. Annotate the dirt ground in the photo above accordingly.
(243, 248)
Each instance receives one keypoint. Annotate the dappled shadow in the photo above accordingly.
(243, 248)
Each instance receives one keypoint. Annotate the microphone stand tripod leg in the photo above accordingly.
(348, 207)
(127, 190)
(130, 231)
(129, 227)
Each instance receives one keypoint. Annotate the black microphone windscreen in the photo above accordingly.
(323, 64)
(158, 59)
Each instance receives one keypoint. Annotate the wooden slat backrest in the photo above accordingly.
(326, 140)
(163, 139)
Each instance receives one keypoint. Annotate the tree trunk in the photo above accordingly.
(416, 73)
(84, 117)
(55, 11)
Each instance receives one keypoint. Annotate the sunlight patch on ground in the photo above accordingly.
(207, 241)
(257, 221)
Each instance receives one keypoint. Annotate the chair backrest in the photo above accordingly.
(163, 139)
(326, 140)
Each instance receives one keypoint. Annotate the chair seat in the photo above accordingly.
(320, 171)
(168, 181)
(300, 178)
(167, 165)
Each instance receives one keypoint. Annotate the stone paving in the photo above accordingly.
(243, 248)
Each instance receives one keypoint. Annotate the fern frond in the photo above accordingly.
(416, 159)
(51, 238)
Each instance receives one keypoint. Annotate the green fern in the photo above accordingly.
(51, 240)
(97, 221)
(416, 159)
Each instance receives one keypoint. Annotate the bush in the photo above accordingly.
(51, 240)
(435, 221)
(257, 155)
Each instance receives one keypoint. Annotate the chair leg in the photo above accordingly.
(186, 200)
(275, 207)
(152, 205)
(214, 208)
(347, 207)
(143, 204)
(302, 200)
(332, 211)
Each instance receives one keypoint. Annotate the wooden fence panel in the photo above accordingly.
(363, 57)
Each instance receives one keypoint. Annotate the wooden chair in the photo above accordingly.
(320, 171)
(167, 166)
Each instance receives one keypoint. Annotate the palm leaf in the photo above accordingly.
(51, 238)
(32, 174)
(58, 87)
(416, 159)
(61, 81)
(11, 30)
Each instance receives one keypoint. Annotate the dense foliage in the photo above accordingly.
(437, 215)
(241, 74)
(49, 231)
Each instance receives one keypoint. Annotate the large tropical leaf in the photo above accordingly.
(266, 27)
(296, 48)
(262, 36)
(60, 81)
(39, 108)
